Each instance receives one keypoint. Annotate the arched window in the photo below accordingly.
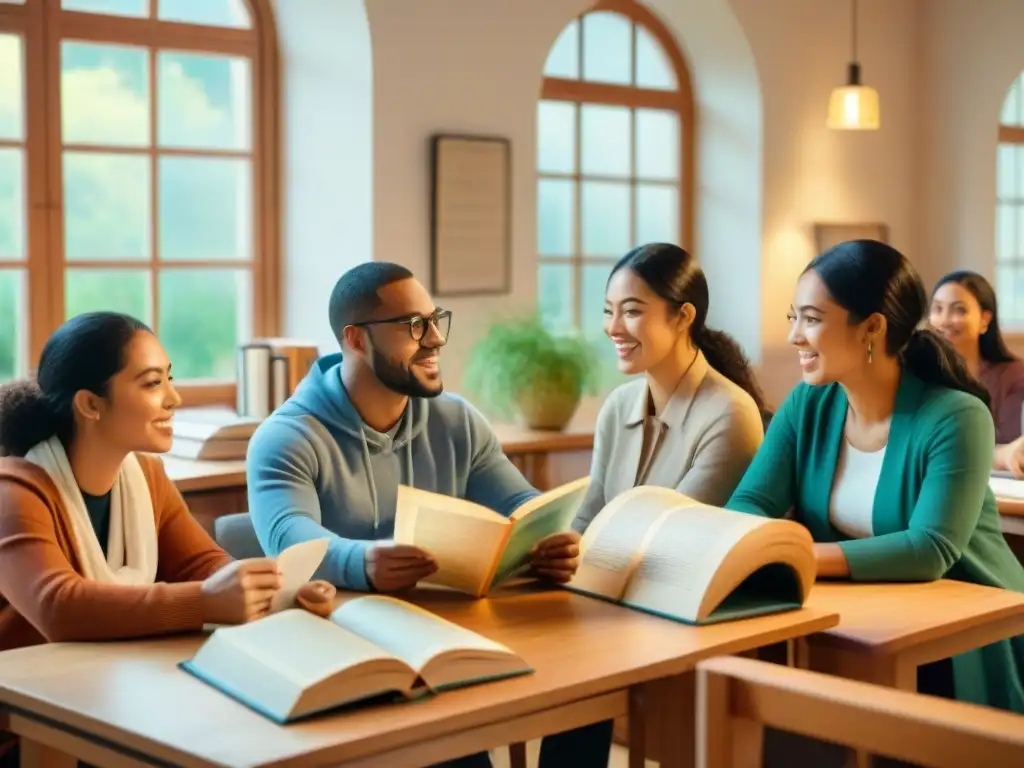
(614, 155)
(137, 163)
(1010, 208)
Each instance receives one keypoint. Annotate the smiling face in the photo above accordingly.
(957, 315)
(644, 328)
(400, 362)
(136, 413)
(829, 347)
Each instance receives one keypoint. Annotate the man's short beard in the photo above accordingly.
(399, 377)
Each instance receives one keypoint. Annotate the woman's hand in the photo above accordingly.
(317, 597)
(1010, 457)
(240, 591)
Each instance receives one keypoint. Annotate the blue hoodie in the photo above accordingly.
(314, 469)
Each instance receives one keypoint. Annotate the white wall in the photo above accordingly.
(768, 167)
(972, 52)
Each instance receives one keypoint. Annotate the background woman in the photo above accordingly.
(964, 311)
(96, 543)
(883, 452)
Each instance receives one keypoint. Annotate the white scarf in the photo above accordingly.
(132, 544)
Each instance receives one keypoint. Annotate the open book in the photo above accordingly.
(659, 551)
(294, 664)
(475, 547)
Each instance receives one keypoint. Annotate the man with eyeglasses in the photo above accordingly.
(330, 460)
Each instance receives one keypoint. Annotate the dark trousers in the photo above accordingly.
(784, 750)
(589, 746)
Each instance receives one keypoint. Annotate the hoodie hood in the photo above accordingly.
(322, 395)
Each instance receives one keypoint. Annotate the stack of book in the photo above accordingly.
(212, 434)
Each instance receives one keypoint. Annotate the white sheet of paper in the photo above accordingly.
(298, 564)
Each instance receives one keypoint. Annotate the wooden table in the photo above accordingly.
(546, 459)
(886, 631)
(118, 704)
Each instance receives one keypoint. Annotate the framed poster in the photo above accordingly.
(828, 235)
(471, 212)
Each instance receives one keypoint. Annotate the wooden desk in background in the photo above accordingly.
(120, 704)
(886, 631)
(546, 459)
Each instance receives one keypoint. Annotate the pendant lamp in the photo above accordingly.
(854, 107)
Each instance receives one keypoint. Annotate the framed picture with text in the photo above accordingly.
(471, 215)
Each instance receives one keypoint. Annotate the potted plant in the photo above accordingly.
(522, 368)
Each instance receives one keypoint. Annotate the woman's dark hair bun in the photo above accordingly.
(25, 418)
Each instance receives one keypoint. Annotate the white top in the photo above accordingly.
(852, 504)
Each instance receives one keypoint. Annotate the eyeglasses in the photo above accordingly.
(441, 320)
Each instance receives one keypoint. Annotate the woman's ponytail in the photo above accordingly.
(725, 356)
(25, 418)
(931, 358)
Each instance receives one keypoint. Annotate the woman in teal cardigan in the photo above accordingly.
(884, 451)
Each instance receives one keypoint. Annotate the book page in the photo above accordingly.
(683, 555)
(553, 514)
(300, 647)
(464, 538)
(616, 538)
(407, 631)
(298, 563)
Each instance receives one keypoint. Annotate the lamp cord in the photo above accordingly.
(853, 33)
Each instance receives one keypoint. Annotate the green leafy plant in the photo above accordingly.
(520, 367)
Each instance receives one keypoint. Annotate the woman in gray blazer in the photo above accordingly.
(693, 420)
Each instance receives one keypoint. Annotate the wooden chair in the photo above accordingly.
(736, 694)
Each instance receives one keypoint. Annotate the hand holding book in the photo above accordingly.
(556, 557)
(393, 567)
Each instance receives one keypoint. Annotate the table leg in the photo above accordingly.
(669, 707)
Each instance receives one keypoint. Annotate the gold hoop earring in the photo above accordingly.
(871, 351)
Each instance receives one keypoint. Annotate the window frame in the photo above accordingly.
(1010, 135)
(581, 92)
(43, 25)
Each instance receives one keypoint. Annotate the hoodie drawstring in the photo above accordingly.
(369, 470)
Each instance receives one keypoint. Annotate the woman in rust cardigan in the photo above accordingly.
(96, 543)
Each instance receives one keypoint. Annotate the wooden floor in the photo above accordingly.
(619, 758)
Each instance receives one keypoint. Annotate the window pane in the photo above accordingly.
(556, 137)
(13, 323)
(214, 13)
(203, 101)
(12, 88)
(607, 48)
(606, 140)
(605, 216)
(106, 206)
(564, 58)
(1006, 232)
(12, 204)
(104, 94)
(1008, 169)
(205, 208)
(1013, 105)
(1010, 295)
(556, 206)
(595, 276)
(653, 69)
(203, 315)
(657, 144)
(555, 296)
(109, 7)
(657, 214)
(111, 290)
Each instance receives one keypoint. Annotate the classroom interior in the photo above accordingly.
(346, 97)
